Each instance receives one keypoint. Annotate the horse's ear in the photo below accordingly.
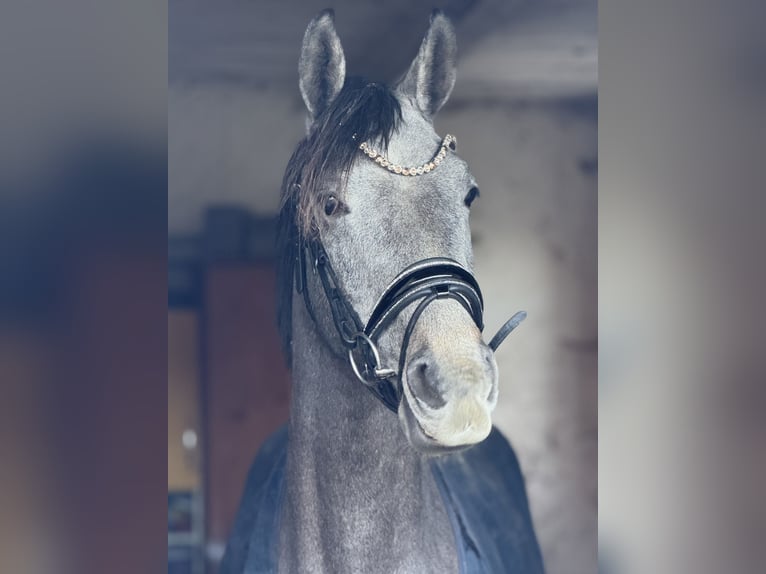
(431, 76)
(322, 65)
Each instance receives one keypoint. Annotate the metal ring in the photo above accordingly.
(377, 371)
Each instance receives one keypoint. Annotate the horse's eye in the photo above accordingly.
(331, 205)
(473, 193)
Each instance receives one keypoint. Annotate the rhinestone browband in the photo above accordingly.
(449, 141)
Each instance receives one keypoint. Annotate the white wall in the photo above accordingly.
(535, 228)
(227, 145)
(535, 247)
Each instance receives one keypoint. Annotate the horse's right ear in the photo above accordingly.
(322, 65)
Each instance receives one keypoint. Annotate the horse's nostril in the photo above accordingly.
(424, 385)
(489, 359)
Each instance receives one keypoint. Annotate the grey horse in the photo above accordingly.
(378, 308)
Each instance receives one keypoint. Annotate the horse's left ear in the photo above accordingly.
(431, 76)
(322, 66)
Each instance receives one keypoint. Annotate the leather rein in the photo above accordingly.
(422, 282)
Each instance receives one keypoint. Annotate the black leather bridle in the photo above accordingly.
(423, 282)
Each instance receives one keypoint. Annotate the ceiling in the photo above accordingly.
(508, 48)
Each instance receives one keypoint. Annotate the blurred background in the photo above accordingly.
(83, 287)
(524, 111)
(682, 385)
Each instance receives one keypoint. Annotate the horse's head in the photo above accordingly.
(374, 217)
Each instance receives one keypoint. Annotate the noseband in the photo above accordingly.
(422, 282)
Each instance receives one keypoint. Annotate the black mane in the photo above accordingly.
(361, 112)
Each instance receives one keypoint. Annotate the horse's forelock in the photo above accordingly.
(362, 112)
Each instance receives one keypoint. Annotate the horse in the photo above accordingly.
(389, 461)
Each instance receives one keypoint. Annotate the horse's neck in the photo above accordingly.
(358, 498)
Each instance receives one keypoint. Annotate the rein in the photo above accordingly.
(422, 282)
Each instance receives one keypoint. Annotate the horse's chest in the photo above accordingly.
(479, 520)
(394, 532)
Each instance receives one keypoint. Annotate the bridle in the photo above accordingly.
(422, 282)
